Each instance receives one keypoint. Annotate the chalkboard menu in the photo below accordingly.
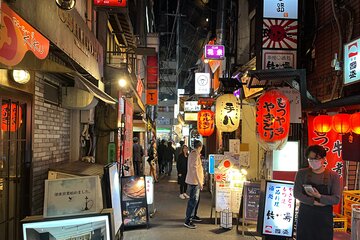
(133, 199)
(251, 201)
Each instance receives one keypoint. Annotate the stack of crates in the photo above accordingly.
(350, 197)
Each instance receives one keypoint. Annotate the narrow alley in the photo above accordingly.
(167, 223)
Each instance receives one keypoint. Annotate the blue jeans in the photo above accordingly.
(194, 191)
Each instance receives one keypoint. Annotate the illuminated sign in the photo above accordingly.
(352, 62)
(110, 3)
(202, 83)
(191, 106)
(190, 116)
(281, 9)
(279, 209)
(216, 52)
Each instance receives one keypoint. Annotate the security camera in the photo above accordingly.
(66, 4)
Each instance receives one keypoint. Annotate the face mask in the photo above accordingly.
(315, 164)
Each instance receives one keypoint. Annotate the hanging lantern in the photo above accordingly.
(227, 113)
(355, 122)
(272, 119)
(10, 116)
(341, 123)
(205, 122)
(322, 123)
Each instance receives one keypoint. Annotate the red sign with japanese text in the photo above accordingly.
(332, 142)
(128, 140)
(110, 3)
(17, 37)
(152, 80)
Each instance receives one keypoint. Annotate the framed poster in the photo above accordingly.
(276, 209)
(72, 196)
(134, 202)
(279, 34)
(93, 226)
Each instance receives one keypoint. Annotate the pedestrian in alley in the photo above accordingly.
(161, 151)
(152, 159)
(138, 153)
(317, 189)
(195, 180)
(178, 150)
(169, 158)
(181, 166)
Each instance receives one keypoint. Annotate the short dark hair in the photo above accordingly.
(317, 149)
(197, 144)
(181, 143)
(135, 140)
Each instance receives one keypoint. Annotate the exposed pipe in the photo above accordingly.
(220, 22)
(337, 79)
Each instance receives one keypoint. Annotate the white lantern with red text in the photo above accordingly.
(227, 116)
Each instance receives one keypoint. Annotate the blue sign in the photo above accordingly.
(211, 164)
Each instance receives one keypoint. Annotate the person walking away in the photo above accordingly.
(169, 157)
(317, 189)
(152, 159)
(195, 180)
(161, 152)
(178, 150)
(181, 166)
(138, 153)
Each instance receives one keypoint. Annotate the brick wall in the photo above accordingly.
(321, 80)
(51, 140)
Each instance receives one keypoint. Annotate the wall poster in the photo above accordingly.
(134, 202)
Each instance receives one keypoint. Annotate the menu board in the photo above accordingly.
(134, 203)
(278, 209)
(251, 201)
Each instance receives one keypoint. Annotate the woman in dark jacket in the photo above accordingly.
(181, 166)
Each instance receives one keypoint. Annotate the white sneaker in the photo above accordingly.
(186, 196)
(182, 196)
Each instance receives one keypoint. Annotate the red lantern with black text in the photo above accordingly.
(355, 122)
(341, 123)
(322, 123)
(11, 118)
(205, 123)
(272, 117)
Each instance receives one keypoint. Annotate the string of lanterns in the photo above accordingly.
(341, 123)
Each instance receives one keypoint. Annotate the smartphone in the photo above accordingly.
(308, 188)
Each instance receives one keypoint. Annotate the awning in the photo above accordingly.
(94, 89)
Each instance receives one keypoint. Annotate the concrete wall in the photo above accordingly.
(51, 140)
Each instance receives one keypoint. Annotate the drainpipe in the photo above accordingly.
(221, 22)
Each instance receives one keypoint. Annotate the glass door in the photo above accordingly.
(14, 166)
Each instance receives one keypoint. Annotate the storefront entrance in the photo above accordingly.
(14, 165)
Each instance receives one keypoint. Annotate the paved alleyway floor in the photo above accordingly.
(167, 223)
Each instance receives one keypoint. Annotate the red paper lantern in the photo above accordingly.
(322, 123)
(355, 122)
(272, 116)
(10, 116)
(341, 123)
(206, 124)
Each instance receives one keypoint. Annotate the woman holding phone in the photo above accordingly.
(317, 189)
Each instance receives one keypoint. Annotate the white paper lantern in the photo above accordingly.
(227, 115)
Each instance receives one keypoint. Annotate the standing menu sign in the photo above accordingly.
(277, 209)
(134, 202)
(251, 201)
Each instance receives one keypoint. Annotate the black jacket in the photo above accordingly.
(181, 164)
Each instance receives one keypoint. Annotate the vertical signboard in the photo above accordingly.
(352, 62)
(277, 205)
(152, 80)
(279, 34)
(128, 138)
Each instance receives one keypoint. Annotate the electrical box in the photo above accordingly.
(87, 116)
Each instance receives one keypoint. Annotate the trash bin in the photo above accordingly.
(355, 222)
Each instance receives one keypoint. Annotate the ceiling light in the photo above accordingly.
(165, 99)
(66, 4)
(122, 82)
(21, 76)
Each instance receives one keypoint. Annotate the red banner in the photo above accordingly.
(332, 142)
(17, 37)
(152, 81)
(128, 140)
(110, 3)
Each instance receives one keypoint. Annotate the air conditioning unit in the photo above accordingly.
(87, 116)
